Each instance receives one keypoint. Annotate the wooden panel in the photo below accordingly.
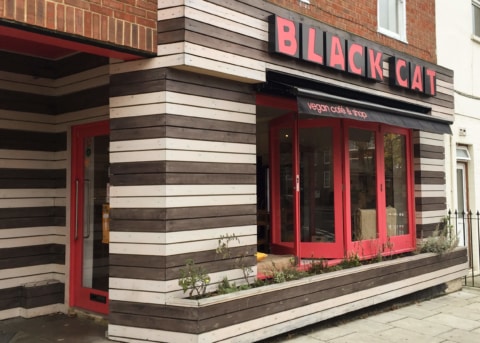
(181, 212)
(31, 297)
(32, 178)
(161, 120)
(36, 141)
(173, 273)
(15, 101)
(180, 224)
(181, 167)
(32, 216)
(181, 132)
(431, 207)
(32, 255)
(428, 151)
(43, 295)
(172, 179)
(93, 97)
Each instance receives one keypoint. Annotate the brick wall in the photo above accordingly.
(360, 18)
(131, 23)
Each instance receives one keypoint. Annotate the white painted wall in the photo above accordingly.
(458, 49)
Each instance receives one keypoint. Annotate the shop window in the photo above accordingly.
(392, 18)
(340, 187)
(476, 18)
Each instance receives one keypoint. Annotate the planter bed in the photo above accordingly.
(263, 312)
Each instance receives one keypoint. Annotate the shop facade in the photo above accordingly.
(122, 159)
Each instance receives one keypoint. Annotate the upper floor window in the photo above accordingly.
(391, 18)
(476, 18)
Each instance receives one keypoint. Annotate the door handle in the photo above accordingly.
(86, 225)
(76, 210)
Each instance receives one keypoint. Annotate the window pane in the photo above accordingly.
(396, 184)
(476, 20)
(363, 181)
(316, 188)
(388, 12)
(286, 184)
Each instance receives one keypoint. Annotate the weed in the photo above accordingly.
(193, 278)
(442, 239)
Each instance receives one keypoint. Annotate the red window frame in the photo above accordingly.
(343, 246)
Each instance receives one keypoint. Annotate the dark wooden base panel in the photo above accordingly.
(32, 295)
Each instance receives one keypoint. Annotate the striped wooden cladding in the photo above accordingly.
(40, 100)
(430, 190)
(183, 174)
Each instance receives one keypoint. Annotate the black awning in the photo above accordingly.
(311, 102)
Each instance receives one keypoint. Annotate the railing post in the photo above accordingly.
(470, 245)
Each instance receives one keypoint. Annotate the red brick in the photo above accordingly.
(145, 22)
(104, 28)
(70, 19)
(119, 32)
(40, 15)
(111, 30)
(51, 16)
(135, 35)
(96, 26)
(117, 5)
(87, 24)
(10, 9)
(141, 38)
(20, 10)
(101, 10)
(31, 11)
(78, 3)
(127, 33)
(124, 16)
(61, 17)
(79, 21)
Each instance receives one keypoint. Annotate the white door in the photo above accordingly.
(462, 207)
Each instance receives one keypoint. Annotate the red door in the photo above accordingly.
(306, 176)
(89, 201)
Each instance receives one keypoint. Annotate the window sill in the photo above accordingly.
(392, 34)
(475, 39)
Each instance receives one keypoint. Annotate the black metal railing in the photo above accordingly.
(467, 229)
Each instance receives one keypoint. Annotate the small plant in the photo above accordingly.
(226, 287)
(193, 278)
(441, 241)
(319, 266)
(288, 273)
(223, 249)
(350, 261)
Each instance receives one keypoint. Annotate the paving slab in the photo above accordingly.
(462, 313)
(461, 336)
(454, 321)
(400, 335)
(421, 326)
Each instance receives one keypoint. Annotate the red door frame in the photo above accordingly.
(79, 295)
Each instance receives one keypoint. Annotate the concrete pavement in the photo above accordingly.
(53, 328)
(453, 318)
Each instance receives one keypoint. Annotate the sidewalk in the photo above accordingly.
(53, 328)
(453, 318)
